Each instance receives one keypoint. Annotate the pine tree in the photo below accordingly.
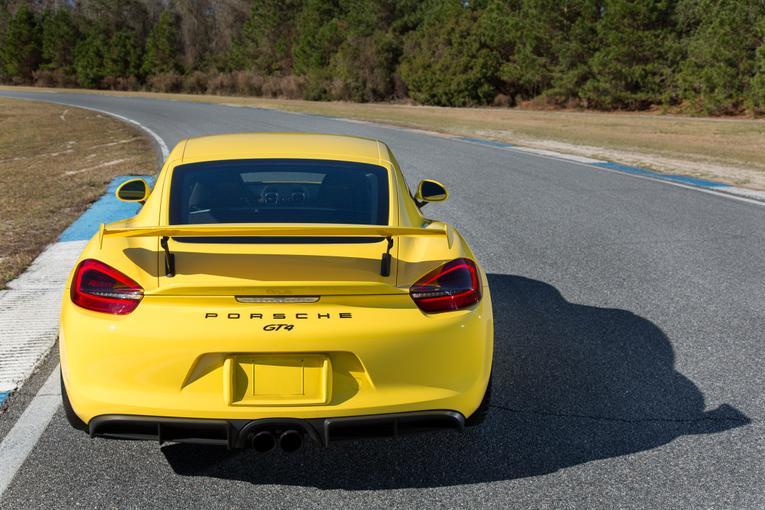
(757, 90)
(574, 26)
(59, 39)
(123, 56)
(634, 65)
(265, 44)
(21, 49)
(721, 48)
(162, 49)
(545, 45)
(4, 18)
(317, 39)
(89, 59)
(446, 62)
(365, 62)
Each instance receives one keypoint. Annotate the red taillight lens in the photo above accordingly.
(453, 286)
(102, 288)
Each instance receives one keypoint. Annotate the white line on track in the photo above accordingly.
(23, 437)
(574, 161)
(162, 145)
(22, 346)
(538, 153)
(734, 193)
(555, 154)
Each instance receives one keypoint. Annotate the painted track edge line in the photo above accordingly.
(562, 157)
(573, 159)
(157, 139)
(525, 150)
(26, 432)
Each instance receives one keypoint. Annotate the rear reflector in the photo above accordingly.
(101, 288)
(453, 286)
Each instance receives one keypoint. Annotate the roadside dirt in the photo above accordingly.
(54, 162)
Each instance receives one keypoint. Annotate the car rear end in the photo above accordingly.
(257, 339)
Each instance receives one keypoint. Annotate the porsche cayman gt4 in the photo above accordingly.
(276, 289)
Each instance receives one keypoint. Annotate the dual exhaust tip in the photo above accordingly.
(289, 441)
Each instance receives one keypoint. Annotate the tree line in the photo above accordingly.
(703, 56)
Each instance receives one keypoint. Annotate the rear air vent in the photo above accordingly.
(277, 299)
(216, 432)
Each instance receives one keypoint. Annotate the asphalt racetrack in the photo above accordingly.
(629, 367)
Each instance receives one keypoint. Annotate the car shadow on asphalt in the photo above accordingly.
(572, 384)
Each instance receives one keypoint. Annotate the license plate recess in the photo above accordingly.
(277, 379)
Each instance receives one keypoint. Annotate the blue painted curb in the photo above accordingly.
(106, 209)
(491, 143)
(4, 395)
(634, 170)
(693, 181)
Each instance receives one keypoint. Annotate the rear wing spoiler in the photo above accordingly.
(270, 230)
(266, 230)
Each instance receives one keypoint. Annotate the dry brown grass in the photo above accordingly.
(726, 149)
(729, 150)
(54, 161)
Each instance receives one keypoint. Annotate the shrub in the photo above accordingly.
(120, 83)
(247, 83)
(272, 86)
(219, 84)
(195, 83)
(165, 82)
(54, 78)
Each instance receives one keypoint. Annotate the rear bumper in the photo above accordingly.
(239, 433)
(167, 360)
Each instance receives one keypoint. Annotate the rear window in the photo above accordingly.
(279, 191)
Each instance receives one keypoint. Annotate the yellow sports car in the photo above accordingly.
(276, 288)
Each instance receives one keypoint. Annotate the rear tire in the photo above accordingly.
(480, 414)
(71, 416)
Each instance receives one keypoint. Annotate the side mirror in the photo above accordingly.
(134, 190)
(430, 191)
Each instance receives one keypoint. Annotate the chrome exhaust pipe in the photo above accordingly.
(290, 441)
(263, 441)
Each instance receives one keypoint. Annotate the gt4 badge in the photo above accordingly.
(277, 327)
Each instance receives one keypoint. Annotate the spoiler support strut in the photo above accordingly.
(386, 258)
(169, 257)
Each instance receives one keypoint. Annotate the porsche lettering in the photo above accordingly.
(279, 316)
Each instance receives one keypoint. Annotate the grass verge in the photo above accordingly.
(55, 161)
(724, 149)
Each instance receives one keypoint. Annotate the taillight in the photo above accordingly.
(453, 286)
(102, 288)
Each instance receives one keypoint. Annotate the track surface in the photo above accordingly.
(630, 324)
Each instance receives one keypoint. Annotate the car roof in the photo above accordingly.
(284, 145)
